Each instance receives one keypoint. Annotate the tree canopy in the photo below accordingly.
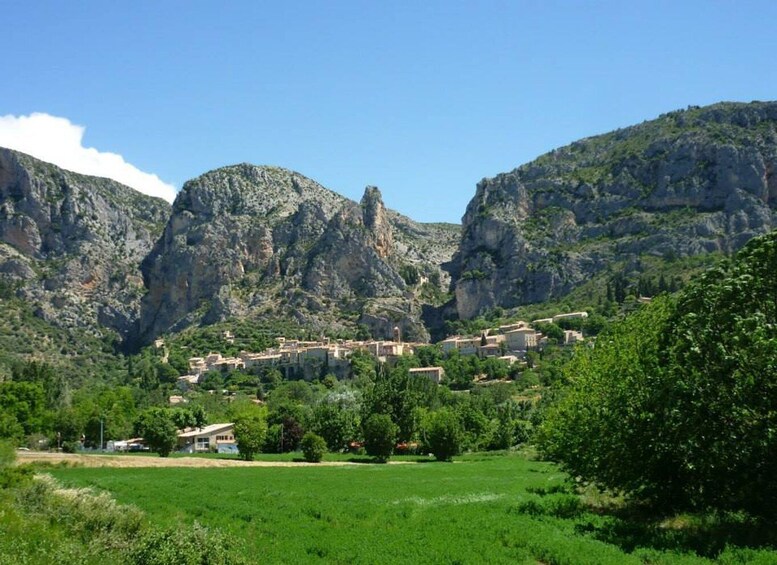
(250, 432)
(677, 404)
(158, 430)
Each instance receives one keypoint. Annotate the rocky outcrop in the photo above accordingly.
(248, 241)
(691, 182)
(72, 244)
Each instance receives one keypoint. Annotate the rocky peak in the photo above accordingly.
(73, 243)
(263, 241)
(690, 182)
(376, 220)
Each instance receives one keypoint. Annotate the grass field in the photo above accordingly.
(481, 509)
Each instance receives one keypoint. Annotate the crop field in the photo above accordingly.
(480, 509)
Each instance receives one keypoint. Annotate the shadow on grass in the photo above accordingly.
(365, 459)
(706, 535)
(372, 460)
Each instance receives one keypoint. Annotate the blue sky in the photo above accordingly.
(422, 99)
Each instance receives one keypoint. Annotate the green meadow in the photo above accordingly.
(480, 509)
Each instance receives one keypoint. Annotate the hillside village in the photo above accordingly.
(509, 343)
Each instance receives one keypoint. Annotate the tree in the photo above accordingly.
(158, 430)
(458, 375)
(292, 419)
(722, 413)
(188, 417)
(380, 436)
(677, 404)
(551, 330)
(313, 447)
(69, 425)
(362, 366)
(336, 424)
(182, 418)
(444, 434)
(23, 407)
(394, 393)
(475, 426)
(429, 355)
(166, 373)
(250, 431)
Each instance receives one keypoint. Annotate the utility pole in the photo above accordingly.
(101, 434)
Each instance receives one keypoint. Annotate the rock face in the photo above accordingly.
(269, 244)
(690, 182)
(72, 244)
(248, 241)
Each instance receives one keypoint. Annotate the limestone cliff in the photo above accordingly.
(249, 241)
(72, 244)
(690, 182)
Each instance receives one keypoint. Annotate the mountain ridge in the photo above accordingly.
(691, 181)
(72, 244)
(267, 243)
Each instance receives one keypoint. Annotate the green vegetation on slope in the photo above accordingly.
(77, 354)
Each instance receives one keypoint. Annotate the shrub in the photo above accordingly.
(556, 505)
(80, 511)
(7, 454)
(188, 546)
(380, 435)
(313, 447)
(71, 446)
(11, 476)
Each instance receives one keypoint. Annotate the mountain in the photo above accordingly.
(268, 243)
(86, 256)
(71, 245)
(689, 183)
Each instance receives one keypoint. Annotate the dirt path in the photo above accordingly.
(81, 460)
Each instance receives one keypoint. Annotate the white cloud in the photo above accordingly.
(58, 141)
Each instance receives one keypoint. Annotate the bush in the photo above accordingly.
(313, 447)
(380, 436)
(81, 511)
(188, 546)
(7, 454)
(557, 505)
(71, 446)
(11, 476)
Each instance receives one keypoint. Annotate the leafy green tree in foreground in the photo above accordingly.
(444, 434)
(380, 436)
(677, 404)
(158, 430)
(250, 431)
